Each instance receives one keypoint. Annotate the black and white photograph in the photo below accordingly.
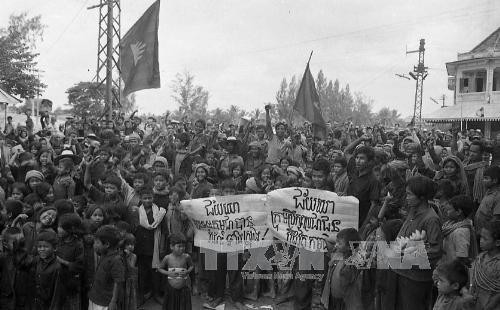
(249, 155)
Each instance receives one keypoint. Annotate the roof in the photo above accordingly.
(451, 67)
(466, 112)
(489, 48)
(6, 98)
(491, 43)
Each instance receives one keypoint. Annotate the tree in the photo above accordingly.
(218, 116)
(321, 88)
(255, 113)
(234, 114)
(18, 68)
(338, 104)
(192, 99)
(285, 99)
(388, 117)
(87, 98)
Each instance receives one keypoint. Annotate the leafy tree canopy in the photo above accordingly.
(18, 67)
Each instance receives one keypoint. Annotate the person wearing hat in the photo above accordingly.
(64, 185)
(33, 178)
(134, 139)
(160, 162)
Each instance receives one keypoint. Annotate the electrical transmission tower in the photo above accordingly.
(419, 74)
(108, 51)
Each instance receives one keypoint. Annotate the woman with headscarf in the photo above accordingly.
(453, 170)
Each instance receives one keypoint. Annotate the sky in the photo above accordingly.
(240, 50)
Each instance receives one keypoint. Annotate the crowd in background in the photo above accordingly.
(91, 216)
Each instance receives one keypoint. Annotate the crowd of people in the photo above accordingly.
(91, 216)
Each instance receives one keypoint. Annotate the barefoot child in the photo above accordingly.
(177, 266)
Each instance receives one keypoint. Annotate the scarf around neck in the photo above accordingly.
(158, 214)
(478, 189)
(449, 227)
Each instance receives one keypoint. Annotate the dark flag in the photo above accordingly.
(139, 53)
(307, 104)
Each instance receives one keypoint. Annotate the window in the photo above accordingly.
(496, 79)
(464, 85)
(473, 81)
(479, 84)
(480, 81)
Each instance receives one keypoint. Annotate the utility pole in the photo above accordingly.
(402, 76)
(442, 99)
(419, 74)
(108, 52)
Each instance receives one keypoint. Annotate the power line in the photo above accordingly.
(466, 14)
(67, 26)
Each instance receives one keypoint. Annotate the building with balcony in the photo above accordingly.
(475, 80)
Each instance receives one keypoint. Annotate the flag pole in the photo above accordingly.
(310, 58)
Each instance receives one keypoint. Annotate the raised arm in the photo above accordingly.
(350, 148)
(269, 125)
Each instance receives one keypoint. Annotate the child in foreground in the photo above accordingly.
(485, 278)
(48, 270)
(110, 272)
(177, 266)
(451, 279)
(342, 289)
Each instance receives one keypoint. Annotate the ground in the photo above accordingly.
(262, 303)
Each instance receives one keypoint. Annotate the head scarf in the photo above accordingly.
(203, 166)
(34, 174)
(460, 173)
(161, 159)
